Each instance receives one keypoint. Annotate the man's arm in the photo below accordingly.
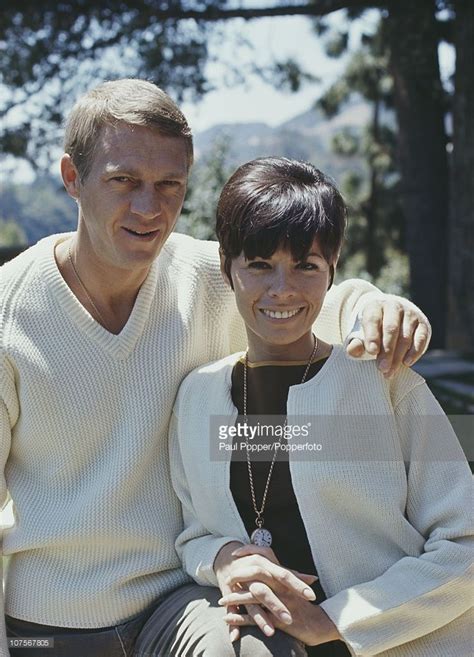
(375, 324)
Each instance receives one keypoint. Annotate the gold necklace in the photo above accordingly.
(262, 536)
(89, 298)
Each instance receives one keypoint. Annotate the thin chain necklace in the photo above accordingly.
(89, 298)
(262, 536)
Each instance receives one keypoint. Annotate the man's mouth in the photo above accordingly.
(280, 314)
(141, 233)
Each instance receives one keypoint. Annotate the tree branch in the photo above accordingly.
(316, 8)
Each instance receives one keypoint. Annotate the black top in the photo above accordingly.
(268, 385)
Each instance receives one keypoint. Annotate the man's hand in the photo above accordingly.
(253, 570)
(309, 623)
(393, 330)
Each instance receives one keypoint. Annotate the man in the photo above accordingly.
(97, 329)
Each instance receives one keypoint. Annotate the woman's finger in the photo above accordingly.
(234, 632)
(249, 549)
(261, 619)
(255, 616)
(261, 594)
(271, 575)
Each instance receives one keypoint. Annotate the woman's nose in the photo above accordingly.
(281, 283)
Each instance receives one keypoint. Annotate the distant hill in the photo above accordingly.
(307, 136)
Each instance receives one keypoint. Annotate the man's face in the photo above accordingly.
(131, 199)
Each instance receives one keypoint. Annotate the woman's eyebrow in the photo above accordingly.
(315, 255)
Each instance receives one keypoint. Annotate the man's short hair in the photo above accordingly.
(275, 202)
(130, 101)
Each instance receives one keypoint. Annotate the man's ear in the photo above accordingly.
(70, 176)
(225, 276)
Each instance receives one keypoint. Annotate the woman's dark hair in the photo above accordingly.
(275, 202)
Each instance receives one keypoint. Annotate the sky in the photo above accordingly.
(257, 101)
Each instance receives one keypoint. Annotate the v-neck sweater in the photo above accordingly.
(84, 418)
(84, 421)
(386, 504)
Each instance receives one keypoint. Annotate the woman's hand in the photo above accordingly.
(310, 624)
(243, 570)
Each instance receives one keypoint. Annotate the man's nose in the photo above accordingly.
(146, 203)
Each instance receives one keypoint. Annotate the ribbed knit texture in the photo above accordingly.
(390, 528)
(84, 420)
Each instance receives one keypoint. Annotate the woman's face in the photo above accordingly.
(279, 300)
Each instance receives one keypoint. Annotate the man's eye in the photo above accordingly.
(121, 179)
(170, 183)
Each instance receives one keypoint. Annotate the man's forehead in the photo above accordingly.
(134, 146)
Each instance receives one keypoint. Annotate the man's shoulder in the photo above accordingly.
(188, 251)
(14, 270)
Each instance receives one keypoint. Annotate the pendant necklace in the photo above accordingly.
(84, 289)
(262, 536)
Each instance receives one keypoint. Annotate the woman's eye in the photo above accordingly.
(308, 266)
(258, 264)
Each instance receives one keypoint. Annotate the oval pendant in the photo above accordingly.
(261, 537)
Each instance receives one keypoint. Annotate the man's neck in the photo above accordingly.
(107, 295)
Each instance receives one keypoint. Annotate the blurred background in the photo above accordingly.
(380, 95)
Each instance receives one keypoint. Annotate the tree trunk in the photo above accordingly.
(412, 34)
(461, 267)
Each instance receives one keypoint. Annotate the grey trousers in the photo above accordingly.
(188, 623)
(185, 623)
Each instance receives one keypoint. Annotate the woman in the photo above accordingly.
(379, 512)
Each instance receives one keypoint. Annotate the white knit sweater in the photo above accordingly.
(84, 420)
(386, 504)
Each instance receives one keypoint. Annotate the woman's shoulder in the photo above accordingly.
(365, 372)
(204, 378)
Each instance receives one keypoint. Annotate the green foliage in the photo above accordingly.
(205, 185)
(51, 52)
(337, 44)
(375, 232)
(37, 210)
(11, 234)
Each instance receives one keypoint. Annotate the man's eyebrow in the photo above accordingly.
(130, 170)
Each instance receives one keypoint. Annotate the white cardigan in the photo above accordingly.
(389, 532)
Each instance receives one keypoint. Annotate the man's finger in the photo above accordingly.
(371, 323)
(392, 319)
(355, 348)
(404, 342)
(420, 341)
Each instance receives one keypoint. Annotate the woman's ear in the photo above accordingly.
(225, 275)
(332, 272)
